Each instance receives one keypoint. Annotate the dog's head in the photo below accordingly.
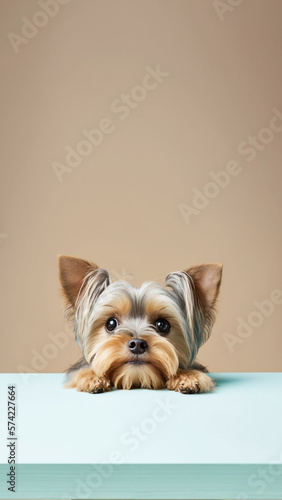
(139, 337)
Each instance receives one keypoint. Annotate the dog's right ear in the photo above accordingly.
(75, 274)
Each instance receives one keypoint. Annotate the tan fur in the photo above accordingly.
(72, 274)
(190, 382)
(155, 308)
(207, 279)
(86, 380)
(144, 376)
(187, 301)
(118, 309)
(113, 357)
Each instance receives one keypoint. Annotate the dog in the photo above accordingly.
(145, 337)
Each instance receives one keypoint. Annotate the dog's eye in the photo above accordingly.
(111, 324)
(162, 326)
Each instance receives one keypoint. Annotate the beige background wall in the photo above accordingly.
(121, 206)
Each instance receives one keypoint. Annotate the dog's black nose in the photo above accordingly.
(137, 346)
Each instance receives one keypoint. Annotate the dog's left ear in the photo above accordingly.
(197, 289)
(206, 279)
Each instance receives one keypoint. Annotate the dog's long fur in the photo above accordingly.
(186, 301)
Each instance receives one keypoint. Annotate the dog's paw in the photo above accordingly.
(86, 380)
(190, 382)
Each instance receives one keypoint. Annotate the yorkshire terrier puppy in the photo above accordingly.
(139, 337)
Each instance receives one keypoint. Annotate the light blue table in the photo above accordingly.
(145, 444)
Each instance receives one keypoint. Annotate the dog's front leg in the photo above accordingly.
(86, 380)
(190, 382)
